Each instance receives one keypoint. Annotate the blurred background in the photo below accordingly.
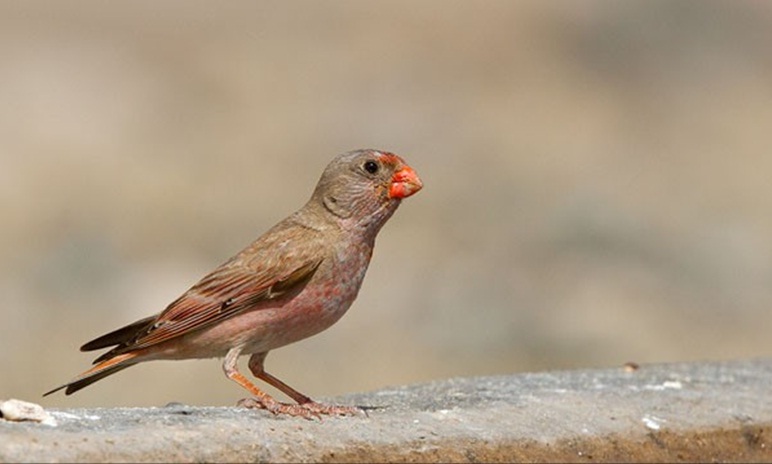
(597, 181)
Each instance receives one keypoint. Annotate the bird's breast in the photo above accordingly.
(342, 278)
(321, 303)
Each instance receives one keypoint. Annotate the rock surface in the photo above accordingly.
(670, 412)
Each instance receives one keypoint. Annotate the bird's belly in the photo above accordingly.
(318, 306)
(280, 322)
(268, 327)
(277, 327)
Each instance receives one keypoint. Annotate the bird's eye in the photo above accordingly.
(371, 166)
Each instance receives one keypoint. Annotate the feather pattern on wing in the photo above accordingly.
(240, 284)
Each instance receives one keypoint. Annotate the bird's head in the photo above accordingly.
(365, 186)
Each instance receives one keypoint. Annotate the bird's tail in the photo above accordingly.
(98, 372)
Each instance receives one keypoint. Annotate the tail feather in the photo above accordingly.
(98, 372)
(120, 336)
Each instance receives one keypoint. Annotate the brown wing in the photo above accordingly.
(228, 293)
(276, 264)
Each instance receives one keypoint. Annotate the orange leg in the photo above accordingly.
(306, 407)
(260, 399)
(256, 366)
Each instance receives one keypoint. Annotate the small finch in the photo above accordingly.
(293, 282)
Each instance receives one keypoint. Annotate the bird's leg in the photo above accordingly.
(256, 366)
(260, 399)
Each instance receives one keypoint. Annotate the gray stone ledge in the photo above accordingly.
(670, 412)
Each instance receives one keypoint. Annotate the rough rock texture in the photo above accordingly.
(677, 412)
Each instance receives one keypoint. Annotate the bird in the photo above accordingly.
(292, 282)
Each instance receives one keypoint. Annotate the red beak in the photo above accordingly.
(404, 183)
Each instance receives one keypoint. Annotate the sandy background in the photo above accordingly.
(597, 181)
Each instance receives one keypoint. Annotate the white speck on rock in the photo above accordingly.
(18, 411)
(666, 385)
(652, 422)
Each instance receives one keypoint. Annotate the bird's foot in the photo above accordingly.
(332, 409)
(308, 410)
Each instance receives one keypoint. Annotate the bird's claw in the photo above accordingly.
(310, 410)
(331, 409)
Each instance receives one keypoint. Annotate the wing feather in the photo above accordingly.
(276, 264)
